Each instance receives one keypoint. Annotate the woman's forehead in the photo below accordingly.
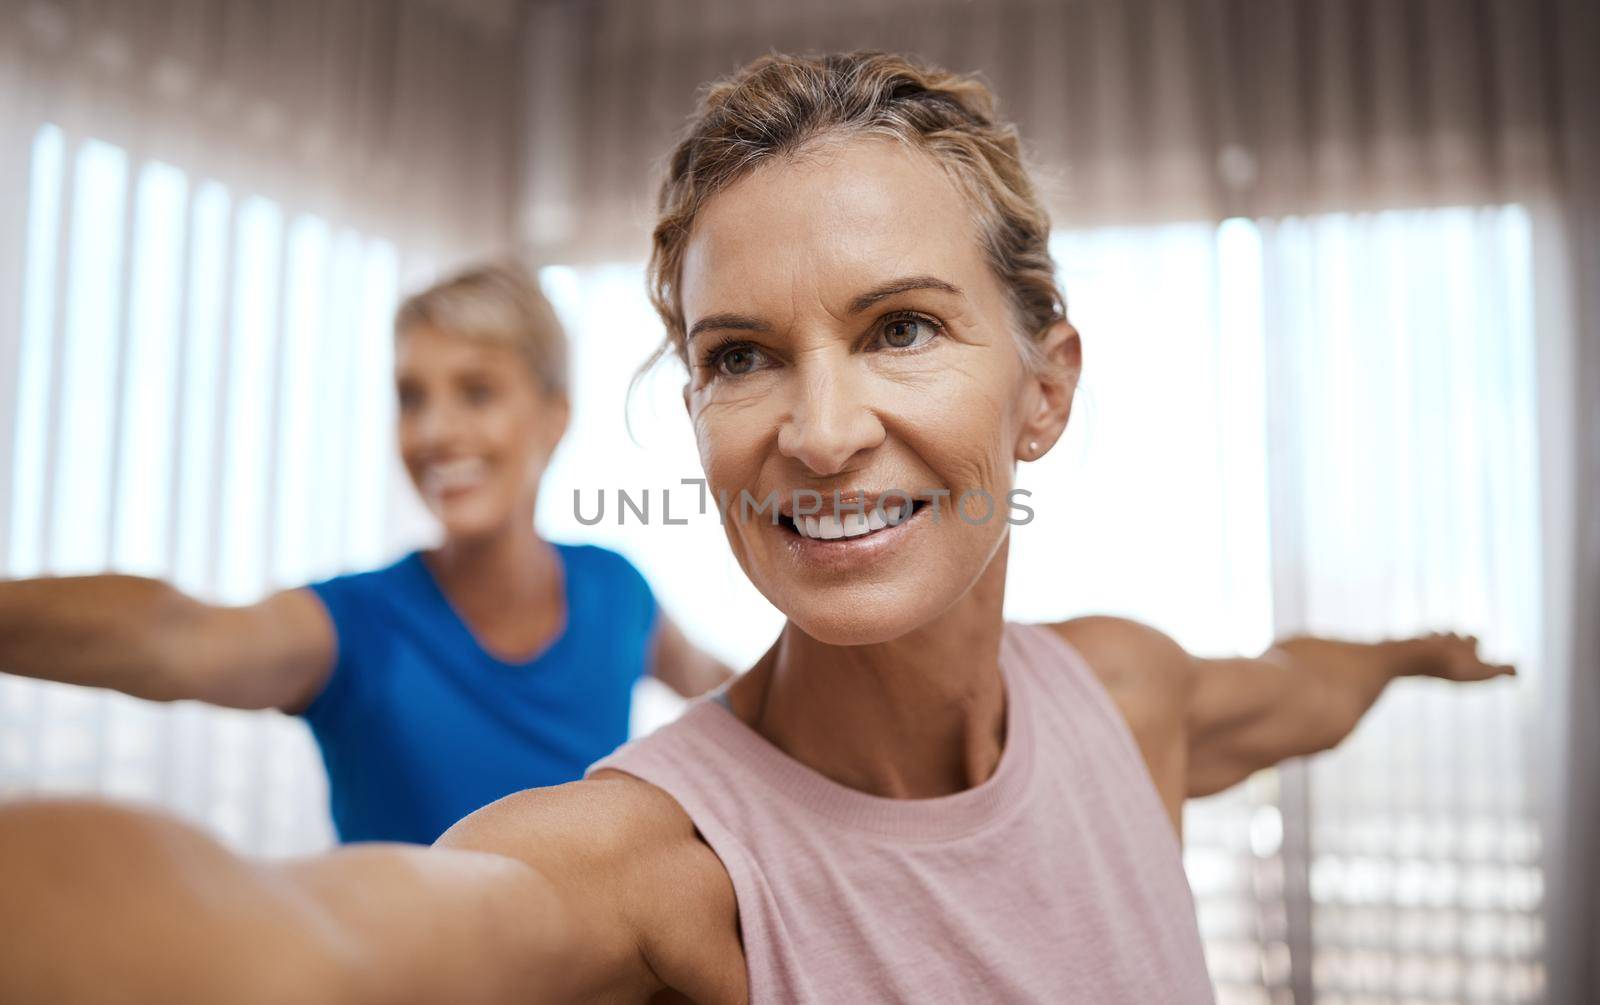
(825, 225)
(438, 351)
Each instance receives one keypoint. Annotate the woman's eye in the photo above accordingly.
(736, 360)
(478, 394)
(906, 331)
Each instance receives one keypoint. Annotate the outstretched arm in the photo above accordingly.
(1302, 696)
(143, 637)
(683, 666)
(105, 901)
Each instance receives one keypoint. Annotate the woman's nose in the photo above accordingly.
(436, 425)
(829, 422)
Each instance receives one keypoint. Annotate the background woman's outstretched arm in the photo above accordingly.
(682, 665)
(145, 638)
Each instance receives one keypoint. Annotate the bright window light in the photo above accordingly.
(150, 379)
(79, 515)
(46, 174)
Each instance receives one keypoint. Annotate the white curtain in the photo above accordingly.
(390, 115)
(1404, 446)
(1133, 110)
(207, 211)
(220, 422)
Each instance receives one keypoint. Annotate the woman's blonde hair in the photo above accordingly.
(778, 104)
(497, 302)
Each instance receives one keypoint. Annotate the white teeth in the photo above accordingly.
(829, 527)
(448, 475)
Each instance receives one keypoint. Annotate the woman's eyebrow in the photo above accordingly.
(903, 285)
(744, 322)
(735, 322)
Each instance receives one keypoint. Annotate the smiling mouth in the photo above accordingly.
(849, 526)
(443, 478)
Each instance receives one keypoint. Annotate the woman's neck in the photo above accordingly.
(916, 717)
(510, 563)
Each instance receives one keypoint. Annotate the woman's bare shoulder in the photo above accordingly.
(1128, 654)
(1149, 677)
(621, 844)
(608, 814)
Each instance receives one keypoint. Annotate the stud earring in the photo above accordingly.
(1033, 447)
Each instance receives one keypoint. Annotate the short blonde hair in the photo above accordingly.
(778, 104)
(497, 302)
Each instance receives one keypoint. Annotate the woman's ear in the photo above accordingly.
(1048, 399)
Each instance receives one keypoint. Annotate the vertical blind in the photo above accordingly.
(1404, 404)
(1133, 110)
(207, 209)
(202, 395)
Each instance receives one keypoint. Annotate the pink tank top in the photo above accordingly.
(1058, 879)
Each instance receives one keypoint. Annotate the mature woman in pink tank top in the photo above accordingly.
(906, 799)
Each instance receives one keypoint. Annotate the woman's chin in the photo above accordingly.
(467, 523)
(852, 623)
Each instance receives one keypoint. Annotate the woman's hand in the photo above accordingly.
(1448, 657)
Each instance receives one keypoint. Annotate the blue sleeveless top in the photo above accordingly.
(419, 726)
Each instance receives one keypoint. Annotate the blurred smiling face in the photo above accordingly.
(476, 431)
(846, 334)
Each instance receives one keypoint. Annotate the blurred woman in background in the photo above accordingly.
(496, 662)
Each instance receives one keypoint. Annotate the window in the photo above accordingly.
(202, 395)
